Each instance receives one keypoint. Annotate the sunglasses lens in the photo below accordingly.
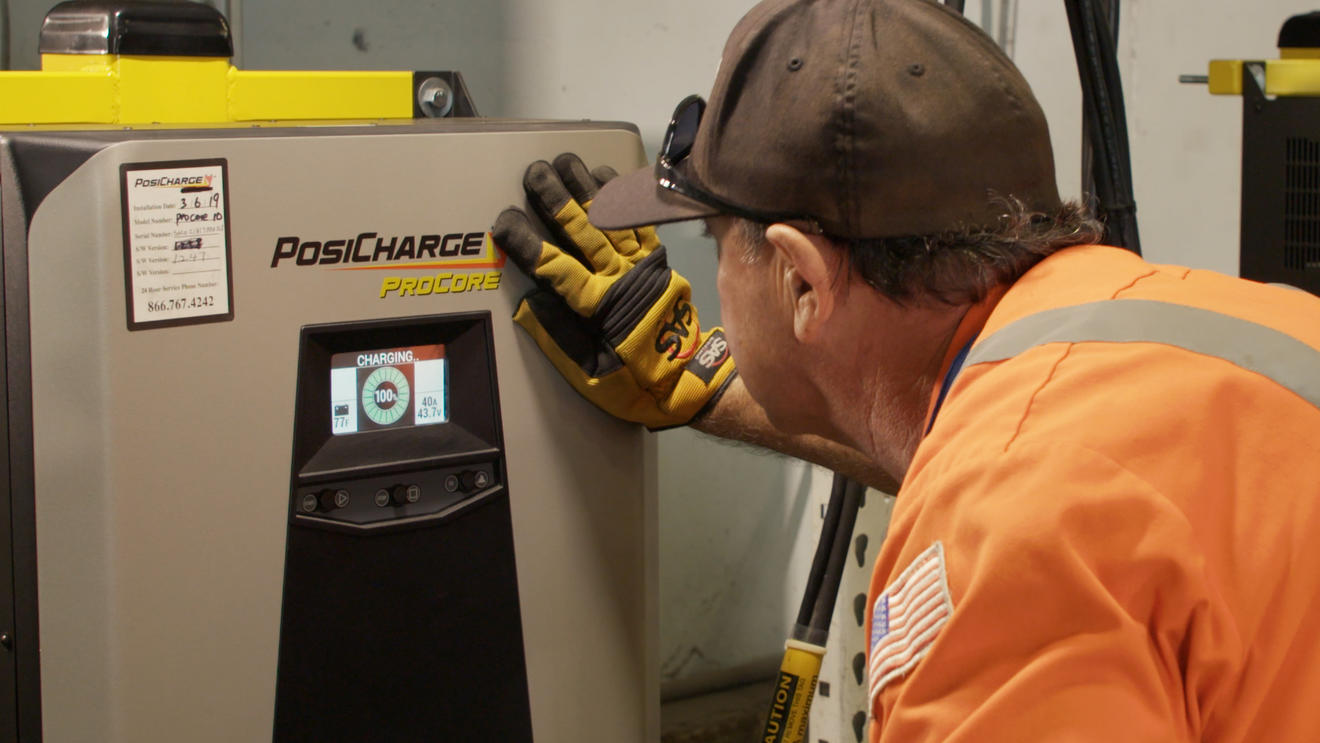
(677, 145)
(683, 129)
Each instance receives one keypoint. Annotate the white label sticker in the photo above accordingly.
(176, 242)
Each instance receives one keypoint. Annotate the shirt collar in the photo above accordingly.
(968, 329)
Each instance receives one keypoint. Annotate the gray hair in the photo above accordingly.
(961, 265)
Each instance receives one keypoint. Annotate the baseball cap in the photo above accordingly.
(874, 118)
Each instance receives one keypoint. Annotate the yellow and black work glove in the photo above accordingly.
(610, 314)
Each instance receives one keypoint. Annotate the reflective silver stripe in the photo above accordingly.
(1254, 347)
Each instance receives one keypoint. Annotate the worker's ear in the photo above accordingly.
(809, 265)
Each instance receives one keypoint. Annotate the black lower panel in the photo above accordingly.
(404, 636)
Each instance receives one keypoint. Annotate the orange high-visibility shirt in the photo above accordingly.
(1111, 539)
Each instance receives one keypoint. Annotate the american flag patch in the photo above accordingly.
(906, 618)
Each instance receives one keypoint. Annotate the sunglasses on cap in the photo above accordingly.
(677, 145)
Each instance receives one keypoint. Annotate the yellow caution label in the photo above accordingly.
(798, 674)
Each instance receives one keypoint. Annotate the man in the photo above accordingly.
(1110, 469)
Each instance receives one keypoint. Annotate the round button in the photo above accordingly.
(399, 494)
(451, 484)
(308, 503)
(481, 479)
(414, 493)
(467, 480)
(330, 499)
(381, 498)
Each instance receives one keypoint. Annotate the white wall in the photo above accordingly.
(1186, 144)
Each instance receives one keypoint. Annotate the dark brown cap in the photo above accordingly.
(879, 118)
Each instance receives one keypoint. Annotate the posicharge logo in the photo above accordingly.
(369, 248)
(409, 265)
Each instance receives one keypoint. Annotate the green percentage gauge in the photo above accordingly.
(385, 396)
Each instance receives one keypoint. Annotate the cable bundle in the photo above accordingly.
(1093, 24)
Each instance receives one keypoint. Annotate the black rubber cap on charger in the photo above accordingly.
(136, 27)
(1301, 31)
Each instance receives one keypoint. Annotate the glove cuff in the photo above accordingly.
(701, 382)
(705, 408)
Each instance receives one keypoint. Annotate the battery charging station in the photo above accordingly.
(278, 464)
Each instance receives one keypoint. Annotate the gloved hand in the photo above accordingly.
(610, 314)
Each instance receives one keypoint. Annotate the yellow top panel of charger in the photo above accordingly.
(145, 62)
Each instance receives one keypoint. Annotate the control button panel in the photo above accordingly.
(375, 500)
(324, 501)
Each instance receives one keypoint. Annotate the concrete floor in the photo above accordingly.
(731, 716)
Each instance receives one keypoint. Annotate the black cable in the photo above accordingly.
(824, 546)
(851, 499)
(1110, 8)
(822, 590)
(1088, 152)
(1121, 211)
(1088, 70)
(1097, 66)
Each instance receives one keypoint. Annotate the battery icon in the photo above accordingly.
(341, 410)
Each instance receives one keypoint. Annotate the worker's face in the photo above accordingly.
(759, 330)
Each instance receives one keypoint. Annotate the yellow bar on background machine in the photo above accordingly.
(1296, 73)
(1283, 77)
(255, 96)
(119, 80)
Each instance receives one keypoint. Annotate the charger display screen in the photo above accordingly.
(388, 388)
